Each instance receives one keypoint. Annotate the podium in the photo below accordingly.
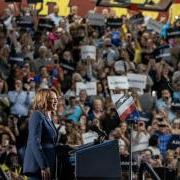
(101, 161)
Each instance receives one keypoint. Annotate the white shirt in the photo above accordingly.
(55, 19)
(140, 142)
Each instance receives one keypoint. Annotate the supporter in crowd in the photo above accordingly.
(33, 57)
(164, 104)
(20, 100)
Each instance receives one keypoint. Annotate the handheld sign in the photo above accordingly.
(89, 137)
(154, 25)
(120, 82)
(24, 21)
(88, 52)
(163, 52)
(173, 33)
(45, 24)
(90, 87)
(16, 58)
(114, 22)
(34, 1)
(137, 80)
(96, 19)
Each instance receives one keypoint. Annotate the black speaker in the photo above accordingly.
(100, 161)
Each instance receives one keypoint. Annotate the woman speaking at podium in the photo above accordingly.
(40, 155)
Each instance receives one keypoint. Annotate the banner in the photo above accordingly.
(88, 52)
(118, 82)
(124, 104)
(154, 25)
(90, 87)
(163, 52)
(96, 19)
(137, 80)
(173, 33)
(114, 22)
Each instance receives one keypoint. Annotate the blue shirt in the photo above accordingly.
(163, 32)
(176, 96)
(163, 142)
(75, 116)
(162, 105)
(20, 102)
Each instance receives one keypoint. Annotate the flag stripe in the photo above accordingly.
(125, 105)
(127, 112)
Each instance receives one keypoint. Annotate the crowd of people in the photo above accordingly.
(34, 57)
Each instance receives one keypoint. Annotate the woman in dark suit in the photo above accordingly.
(40, 155)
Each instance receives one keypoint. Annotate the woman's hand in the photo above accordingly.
(45, 173)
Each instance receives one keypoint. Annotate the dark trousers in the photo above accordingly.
(35, 176)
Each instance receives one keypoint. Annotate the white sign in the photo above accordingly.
(96, 19)
(120, 82)
(89, 137)
(137, 80)
(90, 87)
(88, 52)
(154, 25)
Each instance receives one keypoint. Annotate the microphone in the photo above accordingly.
(96, 129)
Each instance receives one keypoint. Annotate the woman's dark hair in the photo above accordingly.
(153, 141)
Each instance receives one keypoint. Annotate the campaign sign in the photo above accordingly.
(88, 52)
(173, 33)
(34, 1)
(96, 19)
(24, 21)
(154, 25)
(16, 58)
(115, 82)
(114, 22)
(45, 24)
(89, 137)
(174, 142)
(163, 52)
(137, 80)
(136, 19)
(90, 87)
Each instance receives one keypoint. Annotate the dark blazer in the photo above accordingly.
(40, 151)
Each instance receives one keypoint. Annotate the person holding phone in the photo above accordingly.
(40, 154)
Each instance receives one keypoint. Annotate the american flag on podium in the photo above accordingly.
(125, 105)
